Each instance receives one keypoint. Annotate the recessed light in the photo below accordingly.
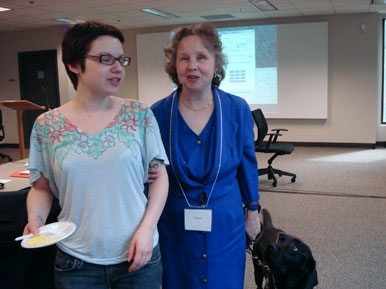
(263, 5)
(218, 17)
(68, 21)
(3, 9)
(160, 13)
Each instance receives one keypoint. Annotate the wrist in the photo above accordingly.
(253, 206)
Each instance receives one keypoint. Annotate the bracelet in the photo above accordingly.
(253, 206)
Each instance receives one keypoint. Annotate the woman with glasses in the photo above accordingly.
(93, 154)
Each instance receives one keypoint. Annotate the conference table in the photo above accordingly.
(21, 268)
(15, 183)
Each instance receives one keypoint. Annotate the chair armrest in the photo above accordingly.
(279, 129)
(272, 138)
(277, 133)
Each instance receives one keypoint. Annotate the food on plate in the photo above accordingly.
(39, 240)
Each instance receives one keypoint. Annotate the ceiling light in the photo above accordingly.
(68, 21)
(3, 9)
(160, 13)
(218, 17)
(263, 5)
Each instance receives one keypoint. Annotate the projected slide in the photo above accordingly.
(239, 47)
(282, 68)
(252, 63)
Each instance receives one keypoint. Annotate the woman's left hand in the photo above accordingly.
(252, 224)
(141, 249)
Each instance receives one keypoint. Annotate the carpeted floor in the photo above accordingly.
(337, 206)
(346, 171)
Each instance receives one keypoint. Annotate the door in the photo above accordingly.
(38, 73)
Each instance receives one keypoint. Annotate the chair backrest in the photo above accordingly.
(261, 123)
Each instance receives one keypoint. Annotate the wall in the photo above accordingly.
(21, 41)
(354, 77)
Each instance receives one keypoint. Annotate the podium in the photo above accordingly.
(19, 106)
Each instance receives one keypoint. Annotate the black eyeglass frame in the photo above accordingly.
(108, 59)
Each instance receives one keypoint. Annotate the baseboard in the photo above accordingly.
(381, 144)
(343, 145)
(9, 145)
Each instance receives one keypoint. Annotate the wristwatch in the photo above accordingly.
(253, 206)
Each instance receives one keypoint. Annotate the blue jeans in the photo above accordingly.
(72, 273)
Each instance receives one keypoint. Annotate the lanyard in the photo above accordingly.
(171, 155)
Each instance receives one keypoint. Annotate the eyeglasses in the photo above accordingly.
(108, 59)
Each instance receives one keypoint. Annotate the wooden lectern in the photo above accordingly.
(19, 106)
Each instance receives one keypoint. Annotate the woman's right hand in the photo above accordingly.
(153, 175)
(32, 227)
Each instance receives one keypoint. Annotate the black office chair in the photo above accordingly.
(270, 146)
(2, 136)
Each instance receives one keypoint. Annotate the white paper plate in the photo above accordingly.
(55, 231)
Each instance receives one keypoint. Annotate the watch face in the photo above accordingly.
(155, 163)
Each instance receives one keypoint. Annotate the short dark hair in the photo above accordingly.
(212, 42)
(77, 41)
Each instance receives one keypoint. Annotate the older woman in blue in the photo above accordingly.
(208, 136)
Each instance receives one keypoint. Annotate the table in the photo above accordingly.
(22, 268)
(15, 183)
(19, 106)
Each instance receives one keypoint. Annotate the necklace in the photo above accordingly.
(196, 109)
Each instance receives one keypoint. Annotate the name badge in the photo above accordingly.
(198, 220)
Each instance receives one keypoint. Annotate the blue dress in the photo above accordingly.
(216, 170)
